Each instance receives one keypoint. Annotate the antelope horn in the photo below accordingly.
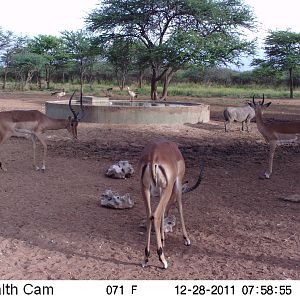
(70, 106)
(198, 181)
(263, 99)
(253, 100)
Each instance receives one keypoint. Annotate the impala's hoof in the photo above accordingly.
(187, 241)
(164, 265)
(144, 264)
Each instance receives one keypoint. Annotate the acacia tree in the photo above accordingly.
(282, 49)
(13, 45)
(81, 49)
(26, 64)
(175, 32)
(121, 55)
(51, 48)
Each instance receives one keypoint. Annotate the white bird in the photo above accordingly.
(59, 94)
(131, 94)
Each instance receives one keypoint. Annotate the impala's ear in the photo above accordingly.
(268, 104)
(251, 104)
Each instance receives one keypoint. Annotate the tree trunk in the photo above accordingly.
(154, 83)
(291, 83)
(81, 76)
(167, 79)
(28, 79)
(4, 78)
(47, 71)
(140, 79)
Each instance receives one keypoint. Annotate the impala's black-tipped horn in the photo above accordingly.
(253, 100)
(263, 100)
(70, 106)
(187, 190)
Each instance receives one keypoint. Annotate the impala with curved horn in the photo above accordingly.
(162, 167)
(35, 123)
(275, 132)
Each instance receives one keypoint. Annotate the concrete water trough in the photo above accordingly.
(103, 110)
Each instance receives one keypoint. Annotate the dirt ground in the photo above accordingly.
(52, 226)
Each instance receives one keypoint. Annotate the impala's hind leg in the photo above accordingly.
(178, 190)
(147, 198)
(158, 215)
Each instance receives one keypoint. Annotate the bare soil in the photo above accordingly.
(52, 226)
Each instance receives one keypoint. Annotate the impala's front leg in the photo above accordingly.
(34, 138)
(3, 138)
(269, 170)
(41, 139)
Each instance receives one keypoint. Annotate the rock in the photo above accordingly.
(291, 198)
(123, 169)
(114, 200)
(169, 223)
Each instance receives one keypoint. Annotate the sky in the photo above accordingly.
(34, 17)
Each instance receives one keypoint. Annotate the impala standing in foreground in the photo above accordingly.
(276, 133)
(162, 167)
(35, 123)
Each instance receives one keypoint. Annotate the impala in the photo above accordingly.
(34, 123)
(275, 132)
(162, 167)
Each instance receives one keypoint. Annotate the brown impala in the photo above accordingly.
(276, 133)
(35, 123)
(162, 167)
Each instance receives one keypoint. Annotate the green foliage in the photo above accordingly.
(121, 54)
(282, 50)
(175, 33)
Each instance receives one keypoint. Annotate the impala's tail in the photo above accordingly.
(189, 189)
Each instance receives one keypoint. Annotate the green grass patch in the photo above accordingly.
(177, 89)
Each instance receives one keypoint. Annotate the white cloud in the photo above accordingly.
(33, 17)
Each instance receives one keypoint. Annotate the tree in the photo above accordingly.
(26, 65)
(51, 48)
(81, 49)
(282, 50)
(175, 32)
(121, 55)
(10, 45)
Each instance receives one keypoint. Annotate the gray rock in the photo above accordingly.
(114, 200)
(123, 169)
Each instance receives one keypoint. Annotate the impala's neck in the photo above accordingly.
(258, 116)
(53, 124)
